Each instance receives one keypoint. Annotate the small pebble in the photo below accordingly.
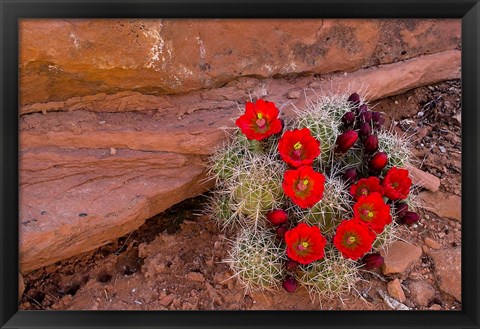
(442, 149)
(102, 122)
(113, 151)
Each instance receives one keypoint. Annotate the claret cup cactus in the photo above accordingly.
(313, 198)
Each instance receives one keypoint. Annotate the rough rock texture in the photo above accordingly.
(374, 83)
(432, 243)
(77, 200)
(395, 290)
(449, 206)
(399, 256)
(60, 59)
(424, 179)
(448, 268)
(421, 292)
(21, 286)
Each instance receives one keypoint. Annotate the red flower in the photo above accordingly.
(304, 186)
(298, 147)
(365, 186)
(277, 216)
(396, 184)
(371, 210)
(305, 243)
(260, 120)
(345, 141)
(353, 238)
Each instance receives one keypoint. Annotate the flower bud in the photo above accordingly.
(291, 265)
(345, 141)
(378, 162)
(377, 119)
(370, 144)
(348, 119)
(289, 284)
(409, 218)
(364, 130)
(277, 216)
(366, 116)
(401, 209)
(350, 175)
(362, 109)
(372, 261)
(280, 231)
(354, 99)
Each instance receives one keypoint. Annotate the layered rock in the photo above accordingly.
(61, 59)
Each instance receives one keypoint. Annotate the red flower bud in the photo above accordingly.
(370, 144)
(280, 231)
(345, 141)
(289, 284)
(277, 216)
(350, 175)
(291, 265)
(372, 261)
(401, 209)
(377, 117)
(364, 130)
(348, 119)
(354, 99)
(409, 218)
(378, 161)
(362, 109)
(366, 116)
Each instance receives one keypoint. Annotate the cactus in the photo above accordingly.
(323, 119)
(329, 211)
(397, 148)
(219, 209)
(257, 259)
(329, 277)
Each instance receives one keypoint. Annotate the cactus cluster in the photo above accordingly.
(276, 207)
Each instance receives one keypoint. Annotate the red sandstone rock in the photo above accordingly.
(399, 256)
(424, 179)
(395, 290)
(442, 205)
(448, 268)
(61, 59)
(372, 83)
(73, 201)
(421, 292)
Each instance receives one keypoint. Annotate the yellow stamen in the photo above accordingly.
(370, 214)
(305, 182)
(297, 146)
(351, 239)
(259, 116)
(305, 244)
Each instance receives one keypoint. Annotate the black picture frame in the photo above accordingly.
(13, 10)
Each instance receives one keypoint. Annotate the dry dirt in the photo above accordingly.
(174, 261)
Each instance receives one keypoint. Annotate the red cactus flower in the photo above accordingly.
(396, 184)
(290, 284)
(304, 186)
(298, 147)
(371, 210)
(260, 120)
(345, 141)
(277, 216)
(372, 261)
(365, 186)
(305, 243)
(353, 238)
